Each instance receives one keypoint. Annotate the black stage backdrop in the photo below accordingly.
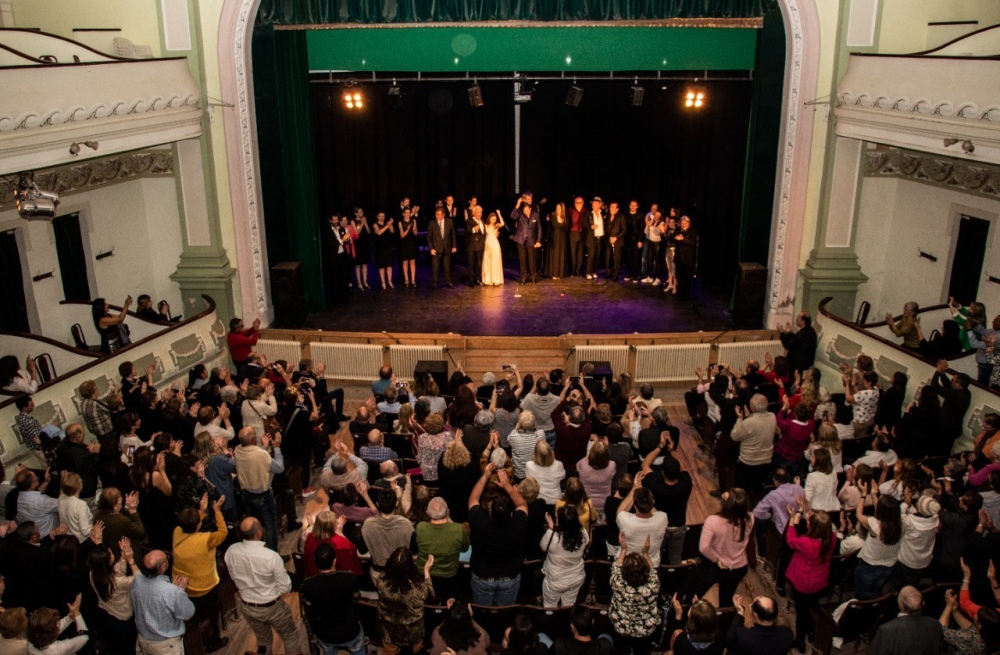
(437, 144)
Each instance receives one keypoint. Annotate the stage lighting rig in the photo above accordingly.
(353, 100)
(636, 94)
(694, 97)
(522, 90)
(34, 204)
(475, 95)
(395, 96)
(574, 95)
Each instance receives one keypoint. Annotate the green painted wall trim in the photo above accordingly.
(497, 49)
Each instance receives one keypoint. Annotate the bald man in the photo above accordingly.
(160, 607)
(445, 540)
(756, 631)
(910, 632)
(261, 578)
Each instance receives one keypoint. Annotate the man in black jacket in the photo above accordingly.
(801, 345)
(634, 225)
(614, 231)
(475, 244)
(73, 454)
(441, 241)
(910, 633)
(685, 257)
(956, 400)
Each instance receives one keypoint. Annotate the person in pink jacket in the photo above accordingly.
(796, 428)
(809, 571)
(723, 544)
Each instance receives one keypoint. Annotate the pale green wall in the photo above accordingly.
(903, 27)
(137, 19)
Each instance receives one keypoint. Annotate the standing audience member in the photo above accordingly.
(328, 600)
(821, 483)
(646, 525)
(801, 345)
(161, 607)
(880, 552)
(565, 544)
(441, 540)
(723, 544)
(261, 578)
(547, 471)
(755, 435)
(431, 444)
(73, 512)
(111, 579)
(45, 626)
(596, 471)
(671, 488)
(634, 587)
(910, 633)
(195, 561)
(241, 341)
(809, 571)
(402, 593)
(384, 533)
(497, 539)
(522, 440)
(255, 469)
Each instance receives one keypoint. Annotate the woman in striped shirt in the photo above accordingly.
(522, 440)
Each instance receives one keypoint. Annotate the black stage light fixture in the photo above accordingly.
(395, 97)
(636, 95)
(574, 95)
(475, 95)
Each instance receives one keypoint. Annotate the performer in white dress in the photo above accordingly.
(492, 258)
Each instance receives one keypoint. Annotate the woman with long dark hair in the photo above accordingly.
(463, 409)
(812, 544)
(402, 593)
(565, 543)
(148, 476)
(111, 578)
(723, 544)
(880, 552)
(16, 380)
(113, 331)
(459, 632)
(559, 237)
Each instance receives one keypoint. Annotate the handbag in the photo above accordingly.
(540, 573)
(271, 425)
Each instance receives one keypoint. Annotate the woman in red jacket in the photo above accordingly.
(796, 427)
(809, 571)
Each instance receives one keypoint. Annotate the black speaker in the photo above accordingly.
(751, 287)
(288, 295)
(437, 369)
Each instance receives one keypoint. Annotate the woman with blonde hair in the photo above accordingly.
(45, 626)
(220, 467)
(547, 470)
(596, 472)
(431, 445)
(73, 512)
(329, 528)
(522, 440)
(576, 496)
(457, 475)
(402, 423)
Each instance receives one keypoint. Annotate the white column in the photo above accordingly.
(843, 193)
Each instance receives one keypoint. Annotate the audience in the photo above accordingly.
(564, 544)
(634, 585)
(402, 592)
(910, 632)
(328, 601)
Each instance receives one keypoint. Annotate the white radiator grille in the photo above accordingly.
(616, 355)
(275, 349)
(737, 354)
(348, 361)
(670, 363)
(404, 358)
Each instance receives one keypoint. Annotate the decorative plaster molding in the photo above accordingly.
(947, 108)
(95, 173)
(939, 171)
(57, 116)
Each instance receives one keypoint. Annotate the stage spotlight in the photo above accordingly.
(395, 97)
(574, 95)
(694, 97)
(636, 96)
(522, 92)
(353, 100)
(475, 95)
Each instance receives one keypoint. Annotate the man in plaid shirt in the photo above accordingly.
(31, 430)
(375, 450)
(95, 412)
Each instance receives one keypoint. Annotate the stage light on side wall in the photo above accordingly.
(574, 95)
(353, 100)
(694, 97)
(636, 95)
(475, 95)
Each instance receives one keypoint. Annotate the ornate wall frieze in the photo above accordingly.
(980, 179)
(58, 115)
(946, 108)
(95, 173)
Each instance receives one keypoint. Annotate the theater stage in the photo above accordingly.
(547, 308)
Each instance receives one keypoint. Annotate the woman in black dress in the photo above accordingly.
(362, 247)
(559, 229)
(408, 248)
(113, 331)
(384, 233)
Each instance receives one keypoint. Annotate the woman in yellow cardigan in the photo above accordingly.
(194, 559)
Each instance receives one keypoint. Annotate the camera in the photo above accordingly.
(401, 385)
(508, 367)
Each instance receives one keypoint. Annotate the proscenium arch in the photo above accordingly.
(802, 55)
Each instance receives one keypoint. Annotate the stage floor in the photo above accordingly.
(547, 308)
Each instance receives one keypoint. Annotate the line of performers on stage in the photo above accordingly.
(576, 239)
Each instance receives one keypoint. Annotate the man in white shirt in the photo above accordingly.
(646, 522)
(594, 235)
(34, 505)
(541, 402)
(261, 578)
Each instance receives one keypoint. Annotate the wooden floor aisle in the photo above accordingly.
(700, 506)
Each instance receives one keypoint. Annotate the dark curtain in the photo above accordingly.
(967, 268)
(72, 259)
(434, 145)
(15, 313)
(291, 12)
(285, 139)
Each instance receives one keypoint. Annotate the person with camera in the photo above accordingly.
(527, 236)
(572, 424)
(255, 468)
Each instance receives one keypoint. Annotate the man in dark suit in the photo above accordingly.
(801, 345)
(910, 633)
(685, 255)
(593, 222)
(614, 230)
(635, 223)
(475, 243)
(441, 240)
(527, 236)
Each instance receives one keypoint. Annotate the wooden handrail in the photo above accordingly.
(51, 342)
(909, 353)
(175, 326)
